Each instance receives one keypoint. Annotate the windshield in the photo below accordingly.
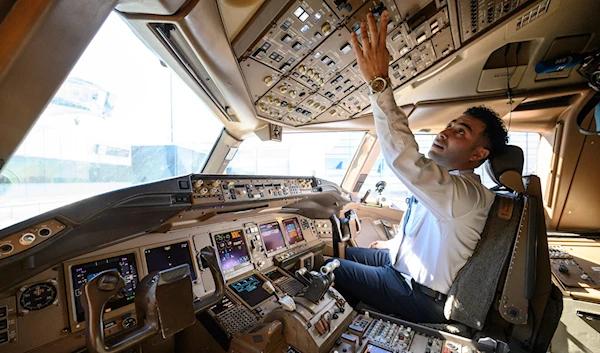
(121, 118)
(325, 155)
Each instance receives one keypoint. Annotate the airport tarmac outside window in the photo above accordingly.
(396, 193)
(120, 118)
(325, 155)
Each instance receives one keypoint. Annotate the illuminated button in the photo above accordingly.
(268, 80)
(346, 48)
(27, 239)
(297, 46)
(421, 38)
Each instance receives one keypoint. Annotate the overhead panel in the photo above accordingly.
(476, 16)
(302, 68)
(305, 25)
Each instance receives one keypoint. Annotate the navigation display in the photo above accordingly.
(169, 256)
(250, 290)
(83, 273)
(272, 237)
(293, 233)
(232, 249)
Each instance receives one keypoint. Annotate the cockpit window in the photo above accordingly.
(325, 155)
(395, 193)
(121, 118)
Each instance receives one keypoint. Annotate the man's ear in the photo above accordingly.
(479, 154)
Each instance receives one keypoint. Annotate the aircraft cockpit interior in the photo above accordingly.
(189, 175)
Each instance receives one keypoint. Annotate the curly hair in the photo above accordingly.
(495, 134)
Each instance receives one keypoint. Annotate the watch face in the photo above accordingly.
(378, 85)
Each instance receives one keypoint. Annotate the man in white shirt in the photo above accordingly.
(410, 274)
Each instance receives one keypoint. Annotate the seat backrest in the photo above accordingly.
(510, 266)
(474, 288)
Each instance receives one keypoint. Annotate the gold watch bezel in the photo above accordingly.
(373, 84)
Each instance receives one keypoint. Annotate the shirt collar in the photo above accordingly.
(469, 173)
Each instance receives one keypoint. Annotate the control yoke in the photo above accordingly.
(344, 229)
(164, 302)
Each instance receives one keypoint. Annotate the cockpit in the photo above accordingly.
(179, 175)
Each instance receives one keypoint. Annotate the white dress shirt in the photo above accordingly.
(446, 222)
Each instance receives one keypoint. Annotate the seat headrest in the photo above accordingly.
(506, 167)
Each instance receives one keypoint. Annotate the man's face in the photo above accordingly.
(460, 145)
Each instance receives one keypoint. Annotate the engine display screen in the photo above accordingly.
(272, 237)
(250, 290)
(232, 249)
(83, 273)
(293, 233)
(169, 256)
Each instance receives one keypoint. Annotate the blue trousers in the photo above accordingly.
(367, 275)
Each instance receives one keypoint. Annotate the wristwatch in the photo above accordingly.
(379, 84)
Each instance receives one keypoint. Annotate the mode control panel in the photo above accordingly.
(225, 190)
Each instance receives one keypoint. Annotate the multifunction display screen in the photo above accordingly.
(232, 249)
(169, 256)
(272, 236)
(293, 233)
(250, 290)
(83, 273)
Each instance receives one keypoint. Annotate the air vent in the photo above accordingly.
(554, 102)
(533, 14)
(180, 49)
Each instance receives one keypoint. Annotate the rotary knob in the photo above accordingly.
(268, 80)
(277, 101)
(317, 105)
(333, 112)
(302, 69)
(321, 82)
(282, 89)
(262, 107)
(317, 76)
(326, 28)
(310, 102)
(216, 183)
(197, 184)
(269, 99)
(290, 108)
(310, 73)
(323, 108)
(292, 93)
(214, 190)
(204, 191)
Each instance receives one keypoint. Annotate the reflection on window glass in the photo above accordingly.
(325, 155)
(119, 119)
(395, 191)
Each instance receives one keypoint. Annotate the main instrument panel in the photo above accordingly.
(302, 70)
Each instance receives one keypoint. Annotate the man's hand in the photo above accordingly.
(373, 58)
(378, 244)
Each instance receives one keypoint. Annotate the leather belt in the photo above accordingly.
(430, 292)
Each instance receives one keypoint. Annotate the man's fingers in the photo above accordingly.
(356, 46)
(383, 29)
(372, 30)
(364, 37)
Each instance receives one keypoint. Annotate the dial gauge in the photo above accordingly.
(38, 296)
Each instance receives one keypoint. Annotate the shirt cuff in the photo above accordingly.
(386, 95)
